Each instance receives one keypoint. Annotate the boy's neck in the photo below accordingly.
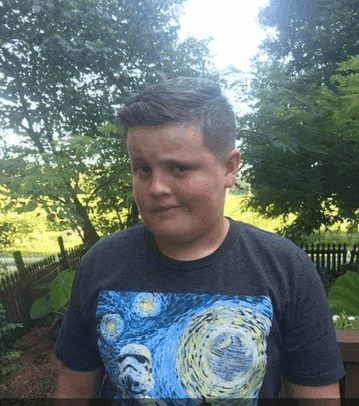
(196, 249)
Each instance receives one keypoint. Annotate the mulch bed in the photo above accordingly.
(39, 370)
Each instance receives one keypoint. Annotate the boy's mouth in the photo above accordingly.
(164, 208)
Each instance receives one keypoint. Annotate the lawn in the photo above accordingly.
(234, 208)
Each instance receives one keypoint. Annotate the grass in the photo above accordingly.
(33, 236)
(345, 322)
(234, 208)
(45, 243)
(37, 245)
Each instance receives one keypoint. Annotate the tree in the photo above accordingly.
(300, 157)
(15, 226)
(64, 67)
(311, 35)
(302, 145)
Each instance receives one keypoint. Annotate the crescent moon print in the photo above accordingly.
(176, 346)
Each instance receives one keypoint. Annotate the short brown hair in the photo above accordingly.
(184, 100)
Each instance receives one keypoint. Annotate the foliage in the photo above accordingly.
(7, 358)
(40, 308)
(300, 153)
(8, 362)
(61, 82)
(5, 328)
(300, 141)
(6, 231)
(347, 80)
(60, 290)
(311, 35)
(236, 207)
(11, 224)
(343, 296)
(345, 322)
(59, 296)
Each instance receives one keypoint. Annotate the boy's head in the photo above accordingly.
(180, 138)
(185, 100)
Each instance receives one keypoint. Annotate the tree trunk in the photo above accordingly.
(132, 217)
(90, 234)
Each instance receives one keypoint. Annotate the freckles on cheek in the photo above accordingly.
(200, 182)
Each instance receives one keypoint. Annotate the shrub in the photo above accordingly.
(8, 359)
(343, 295)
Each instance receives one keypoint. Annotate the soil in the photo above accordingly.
(39, 370)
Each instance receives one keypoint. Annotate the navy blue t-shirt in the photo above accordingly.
(226, 326)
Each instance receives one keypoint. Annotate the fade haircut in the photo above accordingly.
(185, 100)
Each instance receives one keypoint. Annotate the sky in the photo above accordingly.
(232, 25)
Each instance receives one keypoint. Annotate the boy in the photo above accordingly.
(194, 305)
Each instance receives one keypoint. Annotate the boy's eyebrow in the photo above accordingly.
(168, 160)
(180, 160)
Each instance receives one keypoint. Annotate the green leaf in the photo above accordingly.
(40, 308)
(60, 290)
(343, 296)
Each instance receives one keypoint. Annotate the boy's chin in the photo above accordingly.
(177, 233)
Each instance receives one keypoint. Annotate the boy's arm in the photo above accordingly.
(310, 395)
(76, 384)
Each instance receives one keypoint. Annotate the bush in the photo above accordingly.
(343, 295)
(8, 359)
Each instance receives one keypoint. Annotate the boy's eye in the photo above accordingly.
(145, 169)
(181, 169)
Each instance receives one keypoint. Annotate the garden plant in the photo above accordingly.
(344, 301)
(58, 296)
(8, 358)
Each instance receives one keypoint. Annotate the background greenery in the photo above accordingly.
(39, 238)
(61, 83)
(65, 69)
(300, 140)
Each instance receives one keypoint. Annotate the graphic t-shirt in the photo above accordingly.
(225, 327)
(184, 345)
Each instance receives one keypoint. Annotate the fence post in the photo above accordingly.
(19, 263)
(25, 289)
(63, 255)
(354, 256)
(60, 240)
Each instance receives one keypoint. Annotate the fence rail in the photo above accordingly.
(332, 257)
(18, 290)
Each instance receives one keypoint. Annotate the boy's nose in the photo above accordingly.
(159, 185)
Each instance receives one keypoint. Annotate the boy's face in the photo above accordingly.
(179, 185)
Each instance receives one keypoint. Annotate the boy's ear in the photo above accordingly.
(232, 163)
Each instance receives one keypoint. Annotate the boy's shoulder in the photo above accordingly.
(137, 240)
(263, 239)
(250, 231)
(128, 240)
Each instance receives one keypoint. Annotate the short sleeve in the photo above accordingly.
(76, 345)
(310, 354)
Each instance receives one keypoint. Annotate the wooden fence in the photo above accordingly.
(332, 257)
(18, 290)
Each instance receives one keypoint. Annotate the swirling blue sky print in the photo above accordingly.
(185, 345)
